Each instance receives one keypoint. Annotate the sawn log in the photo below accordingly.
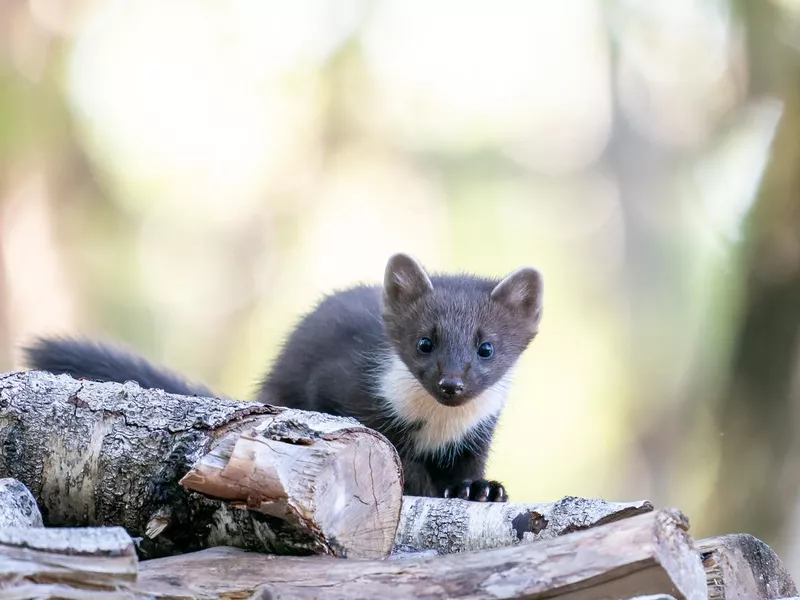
(97, 454)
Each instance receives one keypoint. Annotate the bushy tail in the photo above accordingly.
(85, 359)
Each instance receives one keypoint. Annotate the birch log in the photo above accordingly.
(17, 505)
(98, 454)
(742, 567)
(341, 486)
(66, 563)
(453, 525)
(650, 553)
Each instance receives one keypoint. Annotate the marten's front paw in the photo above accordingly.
(479, 490)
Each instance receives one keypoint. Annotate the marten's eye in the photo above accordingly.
(485, 350)
(425, 345)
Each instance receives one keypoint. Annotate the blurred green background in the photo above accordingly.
(188, 177)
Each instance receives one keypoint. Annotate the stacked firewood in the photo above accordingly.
(113, 491)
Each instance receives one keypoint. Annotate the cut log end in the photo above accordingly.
(340, 483)
(359, 497)
(740, 566)
(676, 554)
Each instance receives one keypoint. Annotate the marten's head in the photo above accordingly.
(459, 334)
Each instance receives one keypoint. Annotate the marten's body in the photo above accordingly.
(424, 360)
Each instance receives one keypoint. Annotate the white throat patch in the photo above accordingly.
(407, 402)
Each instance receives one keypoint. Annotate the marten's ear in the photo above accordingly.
(404, 280)
(521, 292)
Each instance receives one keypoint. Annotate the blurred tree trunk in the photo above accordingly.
(757, 413)
(7, 14)
(37, 140)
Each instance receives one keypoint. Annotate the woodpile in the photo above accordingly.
(113, 491)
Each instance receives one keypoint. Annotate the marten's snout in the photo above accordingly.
(451, 386)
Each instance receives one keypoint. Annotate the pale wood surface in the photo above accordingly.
(66, 562)
(338, 483)
(645, 554)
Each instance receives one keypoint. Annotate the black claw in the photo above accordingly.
(498, 493)
(464, 490)
(479, 490)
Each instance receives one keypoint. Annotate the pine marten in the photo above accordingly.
(424, 359)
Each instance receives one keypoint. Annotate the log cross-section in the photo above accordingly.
(742, 567)
(339, 482)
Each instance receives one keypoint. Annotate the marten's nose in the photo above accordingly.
(451, 386)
